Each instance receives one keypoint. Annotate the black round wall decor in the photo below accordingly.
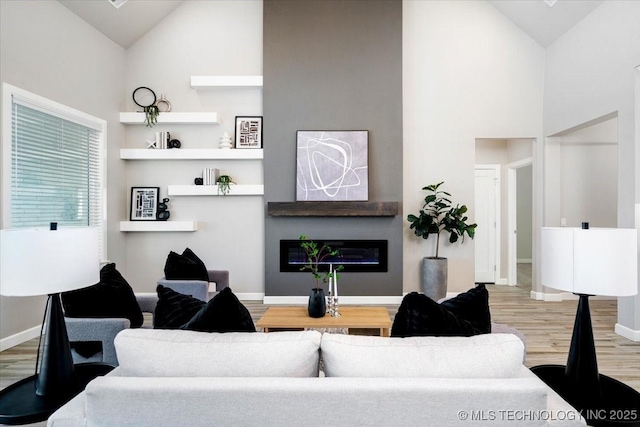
(144, 97)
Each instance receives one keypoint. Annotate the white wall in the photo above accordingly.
(468, 73)
(590, 73)
(48, 50)
(581, 177)
(590, 176)
(199, 38)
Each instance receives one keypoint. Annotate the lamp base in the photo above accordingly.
(19, 403)
(618, 404)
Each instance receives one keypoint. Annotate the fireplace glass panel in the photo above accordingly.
(354, 255)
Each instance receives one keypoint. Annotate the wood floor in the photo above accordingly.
(547, 327)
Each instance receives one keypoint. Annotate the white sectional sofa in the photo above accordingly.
(184, 378)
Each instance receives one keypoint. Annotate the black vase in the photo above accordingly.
(317, 303)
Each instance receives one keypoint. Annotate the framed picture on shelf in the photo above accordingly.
(144, 203)
(248, 132)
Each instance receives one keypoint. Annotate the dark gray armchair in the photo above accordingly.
(104, 330)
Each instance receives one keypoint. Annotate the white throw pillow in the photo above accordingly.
(178, 353)
(480, 356)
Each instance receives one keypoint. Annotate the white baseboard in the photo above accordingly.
(502, 282)
(19, 338)
(543, 296)
(524, 261)
(349, 300)
(250, 296)
(633, 335)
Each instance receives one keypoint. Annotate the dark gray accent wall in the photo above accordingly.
(333, 65)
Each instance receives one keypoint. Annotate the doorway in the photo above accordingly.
(520, 223)
(487, 237)
(501, 156)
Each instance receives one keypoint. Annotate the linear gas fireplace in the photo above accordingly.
(354, 255)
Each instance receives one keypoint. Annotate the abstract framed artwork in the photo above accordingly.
(144, 203)
(332, 166)
(248, 132)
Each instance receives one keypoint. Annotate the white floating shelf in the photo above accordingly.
(212, 190)
(191, 154)
(207, 82)
(171, 118)
(158, 225)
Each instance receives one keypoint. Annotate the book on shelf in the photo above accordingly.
(162, 140)
(210, 176)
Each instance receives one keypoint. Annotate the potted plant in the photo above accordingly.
(151, 114)
(438, 215)
(315, 257)
(146, 98)
(224, 184)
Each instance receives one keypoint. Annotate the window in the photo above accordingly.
(53, 164)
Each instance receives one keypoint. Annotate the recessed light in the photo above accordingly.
(550, 3)
(118, 3)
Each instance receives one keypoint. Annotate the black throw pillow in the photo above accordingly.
(472, 305)
(111, 297)
(223, 313)
(174, 309)
(419, 315)
(185, 267)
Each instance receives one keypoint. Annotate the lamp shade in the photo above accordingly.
(41, 262)
(596, 261)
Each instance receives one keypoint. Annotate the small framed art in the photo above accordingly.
(248, 132)
(144, 203)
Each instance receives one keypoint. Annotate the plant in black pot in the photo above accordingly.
(438, 215)
(315, 257)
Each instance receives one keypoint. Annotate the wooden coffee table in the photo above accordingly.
(350, 317)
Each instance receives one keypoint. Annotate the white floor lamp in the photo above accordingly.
(46, 262)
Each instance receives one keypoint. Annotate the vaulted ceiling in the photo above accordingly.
(126, 25)
(544, 23)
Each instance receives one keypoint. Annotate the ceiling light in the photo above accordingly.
(118, 3)
(550, 3)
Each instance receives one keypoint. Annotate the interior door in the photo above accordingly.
(486, 181)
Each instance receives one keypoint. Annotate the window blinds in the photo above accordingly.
(55, 169)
